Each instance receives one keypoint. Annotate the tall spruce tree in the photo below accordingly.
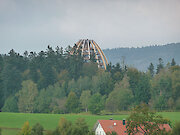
(173, 63)
(160, 65)
(151, 69)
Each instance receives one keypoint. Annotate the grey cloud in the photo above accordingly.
(32, 25)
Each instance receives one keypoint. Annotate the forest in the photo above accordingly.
(53, 81)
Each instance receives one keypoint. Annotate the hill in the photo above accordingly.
(142, 57)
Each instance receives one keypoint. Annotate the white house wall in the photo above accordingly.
(99, 130)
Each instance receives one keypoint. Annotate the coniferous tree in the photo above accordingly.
(151, 69)
(160, 65)
(109, 67)
(142, 91)
(13, 66)
(173, 63)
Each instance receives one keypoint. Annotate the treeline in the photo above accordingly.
(53, 81)
(140, 57)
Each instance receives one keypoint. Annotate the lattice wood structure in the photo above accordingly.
(90, 49)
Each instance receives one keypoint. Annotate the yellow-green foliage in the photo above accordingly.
(64, 127)
(26, 129)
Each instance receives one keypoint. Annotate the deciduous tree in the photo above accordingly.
(64, 127)
(27, 96)
(84, 99)
(26, 129)
(96, 103)
(143, 121)
(10, 104)
(121, 97)
(72, 103)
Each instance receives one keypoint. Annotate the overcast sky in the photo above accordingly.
(34, 24)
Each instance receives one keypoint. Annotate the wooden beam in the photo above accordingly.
(99, 50)
(102, 53)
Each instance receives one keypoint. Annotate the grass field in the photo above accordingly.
(11, 122)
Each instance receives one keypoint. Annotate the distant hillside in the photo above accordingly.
(142, 57)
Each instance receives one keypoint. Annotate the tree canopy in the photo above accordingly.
(144, 121)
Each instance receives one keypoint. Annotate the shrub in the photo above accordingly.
(37, 129)
(80, 127)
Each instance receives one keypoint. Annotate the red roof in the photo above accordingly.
(108, 126)
(119, 128)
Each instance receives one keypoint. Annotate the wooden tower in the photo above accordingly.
(88, 49)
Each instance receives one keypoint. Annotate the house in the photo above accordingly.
(119, 126)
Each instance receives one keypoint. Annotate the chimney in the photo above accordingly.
(124, 121)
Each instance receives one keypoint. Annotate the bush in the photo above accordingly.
(64, 127)
(80, 127)
(37, 129)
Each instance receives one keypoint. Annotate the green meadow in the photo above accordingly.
(12, 122)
